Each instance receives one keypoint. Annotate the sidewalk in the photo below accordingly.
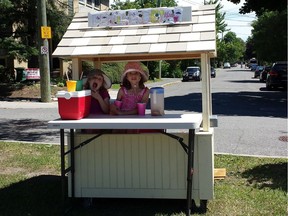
(36, 104)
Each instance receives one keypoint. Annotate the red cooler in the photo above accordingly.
(74, 105)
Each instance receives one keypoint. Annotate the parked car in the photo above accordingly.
(253, 67)
(277, 76)
(263, 74)
(213, 72)
(258, 71)
(226, 65)
(192, 73)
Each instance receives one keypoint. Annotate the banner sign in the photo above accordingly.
(136, 16)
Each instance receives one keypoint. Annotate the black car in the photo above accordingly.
(192, 73)
(277, 76)
(263, 74)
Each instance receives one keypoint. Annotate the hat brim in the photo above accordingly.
(143, 74)
(107, 81)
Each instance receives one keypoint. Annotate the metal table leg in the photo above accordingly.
(72, 162)
(62, 154)
(190, 168)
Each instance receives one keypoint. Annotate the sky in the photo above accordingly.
(237, 23)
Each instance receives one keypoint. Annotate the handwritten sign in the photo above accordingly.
(32, 73)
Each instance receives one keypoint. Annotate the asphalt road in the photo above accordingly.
(251, 120)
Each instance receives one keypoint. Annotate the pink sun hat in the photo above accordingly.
(135, 66)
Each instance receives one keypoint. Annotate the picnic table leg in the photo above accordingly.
(190, 170)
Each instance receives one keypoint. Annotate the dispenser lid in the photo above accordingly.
(158, 90)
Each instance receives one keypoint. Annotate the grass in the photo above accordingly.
(30, 185)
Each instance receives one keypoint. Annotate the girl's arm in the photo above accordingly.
(104, 103)
(145, 97)
(114, 110)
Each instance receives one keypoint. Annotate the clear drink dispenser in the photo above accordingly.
(157, 101)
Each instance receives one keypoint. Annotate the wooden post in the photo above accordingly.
(43, 58)
(76, 68)
(205, 74)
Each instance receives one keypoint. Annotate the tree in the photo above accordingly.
(260, 6)
(230, 49)
(19, 31)
(250, 49)
(221, 26)
(270, 36)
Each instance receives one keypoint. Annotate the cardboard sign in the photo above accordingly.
(32, 73)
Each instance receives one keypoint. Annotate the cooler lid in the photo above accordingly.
(68, 95)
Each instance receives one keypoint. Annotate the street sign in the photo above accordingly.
(44, 50)
(46, 32)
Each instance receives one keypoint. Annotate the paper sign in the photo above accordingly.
(32, 73)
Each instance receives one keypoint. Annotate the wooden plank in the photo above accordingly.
(219, 173)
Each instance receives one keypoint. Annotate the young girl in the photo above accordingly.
(132, 91)
(98, 82)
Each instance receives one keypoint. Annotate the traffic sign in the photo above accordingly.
(46, 32)
(44, 50)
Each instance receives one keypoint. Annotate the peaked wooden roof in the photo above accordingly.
(184, 40)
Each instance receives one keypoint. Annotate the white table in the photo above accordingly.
(191, 122)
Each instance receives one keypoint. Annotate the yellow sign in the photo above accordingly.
(45, 32)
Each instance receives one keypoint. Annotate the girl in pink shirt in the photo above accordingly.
(132, 91)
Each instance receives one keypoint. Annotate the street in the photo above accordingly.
(251, 120)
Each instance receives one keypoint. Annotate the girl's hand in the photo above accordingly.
(96, 95)
(114, 110)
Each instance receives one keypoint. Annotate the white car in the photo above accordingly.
(226, 65)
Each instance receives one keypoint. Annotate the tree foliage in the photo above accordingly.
(270, 36)
(230, 49)
(260, 6)
(19, 27)
(221, 26)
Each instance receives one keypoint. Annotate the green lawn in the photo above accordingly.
(30, 185)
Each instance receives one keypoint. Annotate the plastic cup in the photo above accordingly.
(141, 108)
(71, 85)
(79, 85)
(118, 103)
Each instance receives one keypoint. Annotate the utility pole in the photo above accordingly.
(43, 53)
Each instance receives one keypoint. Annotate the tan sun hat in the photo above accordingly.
(107, 82)
(135, 66)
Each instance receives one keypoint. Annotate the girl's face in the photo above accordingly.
(133, 77)
(96, 82)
